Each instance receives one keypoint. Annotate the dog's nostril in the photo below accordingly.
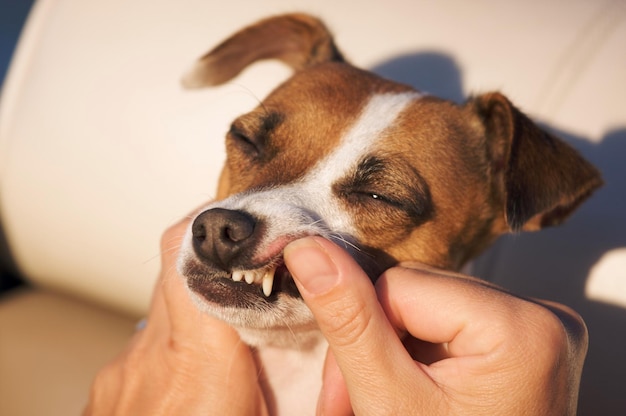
(222, 236)
(198, 230)
(238, 231)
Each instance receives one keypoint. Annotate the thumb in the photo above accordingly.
(343, 300)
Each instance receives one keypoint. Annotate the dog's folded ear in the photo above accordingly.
(542, 178)
(298, 40)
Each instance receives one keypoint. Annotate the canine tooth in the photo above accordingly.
(249, 276)
(237, 276)
(268, 282)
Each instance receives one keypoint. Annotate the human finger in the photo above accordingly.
(488, 337)
(184, 360)
(363, 342)
(334, 398)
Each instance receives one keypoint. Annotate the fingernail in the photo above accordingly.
(311, 265)
(320, 408)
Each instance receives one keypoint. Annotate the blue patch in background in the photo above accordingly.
(13, 14)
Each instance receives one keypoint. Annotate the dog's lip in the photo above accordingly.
(218, 286)
(273, 252)
(272, 270)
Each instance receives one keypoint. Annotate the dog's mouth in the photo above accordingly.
(263, 277)
(248, 288)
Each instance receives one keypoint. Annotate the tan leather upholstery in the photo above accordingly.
(51, 346)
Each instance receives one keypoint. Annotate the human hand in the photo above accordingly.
(183, 362)
(424, 341)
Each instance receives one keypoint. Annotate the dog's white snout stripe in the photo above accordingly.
(380, 112)
(378, 115)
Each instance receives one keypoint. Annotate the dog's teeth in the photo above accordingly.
(264, 278)
(268, 282)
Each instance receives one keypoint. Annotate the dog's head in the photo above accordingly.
(388, 172)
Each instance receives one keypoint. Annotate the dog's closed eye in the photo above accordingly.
(377, 181)
(251, 133)
(247, 143)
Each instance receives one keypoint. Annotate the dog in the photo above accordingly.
(390, 173)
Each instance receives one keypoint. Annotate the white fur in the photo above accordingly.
(378, 115)
(302, 208)
(306, 207)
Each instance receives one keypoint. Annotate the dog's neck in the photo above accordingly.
(286, 374)
(300, 339)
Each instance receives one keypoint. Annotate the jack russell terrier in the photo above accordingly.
(388, 172)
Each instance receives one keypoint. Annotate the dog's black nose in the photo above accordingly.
(224, 237)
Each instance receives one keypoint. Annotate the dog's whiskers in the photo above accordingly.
(157, 255)
(347, 244)
(247, 91)
(296, 341)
